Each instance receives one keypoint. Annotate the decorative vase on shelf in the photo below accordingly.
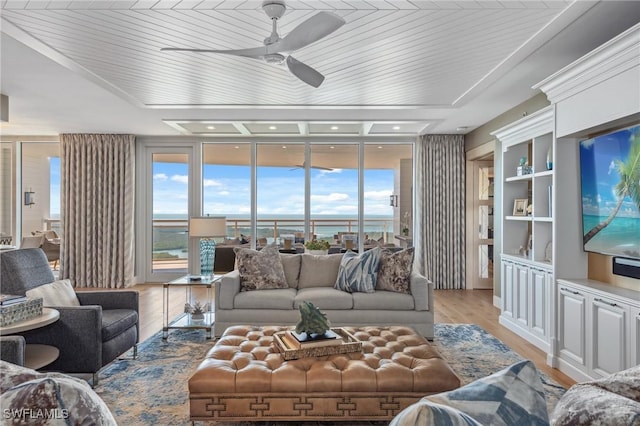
(550, 158)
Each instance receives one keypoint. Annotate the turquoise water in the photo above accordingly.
(620, 237)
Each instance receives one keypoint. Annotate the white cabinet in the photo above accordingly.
(634, 344)
(598, 328)
(572, 335)
(526, 300)
(609, 330)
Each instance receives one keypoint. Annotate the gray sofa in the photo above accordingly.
(312, 278)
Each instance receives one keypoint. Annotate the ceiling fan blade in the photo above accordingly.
(304, 72)
(254, 52)
(313, 29)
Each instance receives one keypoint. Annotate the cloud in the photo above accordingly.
(612, 167)
(334, 196)
(211, 182)
(587, 143)
(180, 178)
(377, 195)
(160, 176)
(224, 193)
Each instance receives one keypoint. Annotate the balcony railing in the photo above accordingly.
(170, 238)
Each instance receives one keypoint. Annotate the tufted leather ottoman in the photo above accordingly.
(244, 377)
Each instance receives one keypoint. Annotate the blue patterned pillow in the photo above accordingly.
(513, 396)
(425, 412)
(358, 273)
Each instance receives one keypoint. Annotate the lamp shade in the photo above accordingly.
(208, 226)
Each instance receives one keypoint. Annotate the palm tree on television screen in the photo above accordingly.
(629, 185)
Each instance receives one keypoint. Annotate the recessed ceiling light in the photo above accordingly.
(334, 127)
(332, 147)
(461, 128)
(396, 127)
(284, 147)
(211, 127)
(379, 146)
(236, 147)
(272, 127)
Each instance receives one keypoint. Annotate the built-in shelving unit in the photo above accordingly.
(588, 328)
(527, 266)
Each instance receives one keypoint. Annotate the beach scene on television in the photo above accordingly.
(610, 178)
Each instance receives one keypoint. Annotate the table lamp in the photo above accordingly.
(207, 228)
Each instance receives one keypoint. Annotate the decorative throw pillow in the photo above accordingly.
(66, 400)
(395, 270)
(358, 273)
(512, 396)
(612, 400)
(57, 293)
(260, 270)
(425, 412)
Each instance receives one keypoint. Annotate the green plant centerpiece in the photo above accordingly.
(317, 245)
(312, 320)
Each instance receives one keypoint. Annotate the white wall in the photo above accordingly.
(35, 177)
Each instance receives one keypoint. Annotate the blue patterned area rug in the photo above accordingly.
(152, 390)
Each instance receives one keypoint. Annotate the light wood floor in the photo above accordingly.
(451, 306)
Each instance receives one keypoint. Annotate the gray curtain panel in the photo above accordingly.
(439, 236)
(97, 203)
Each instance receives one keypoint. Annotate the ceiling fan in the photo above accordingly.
(313, 29)
(303, 165)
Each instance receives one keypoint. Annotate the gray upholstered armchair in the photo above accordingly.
(88, 336)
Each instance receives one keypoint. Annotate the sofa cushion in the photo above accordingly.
(612, 400)
(117, 321)
(383, 300)
(291, 265)
(71, 400)
(512, 396)
(265, 299)
(319, 270)
(260, 270)
(395, 270)
(324, 298)
(358, 272)
(57, 293)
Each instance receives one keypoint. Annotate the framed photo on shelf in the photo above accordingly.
(520, 206)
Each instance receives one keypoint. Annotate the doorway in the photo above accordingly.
(480, 218)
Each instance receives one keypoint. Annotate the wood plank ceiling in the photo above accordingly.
(393, 53)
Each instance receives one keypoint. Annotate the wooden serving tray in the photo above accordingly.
(351, 344)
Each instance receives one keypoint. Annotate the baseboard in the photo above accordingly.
(575, 373)
(497, 301)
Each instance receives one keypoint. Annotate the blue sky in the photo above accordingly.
(599, 175)
(280, 190)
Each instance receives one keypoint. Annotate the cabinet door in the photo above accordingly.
(571, 328)
(634, 358)
(521, 277)
(507, 289)
(609, 327)
(538, 284)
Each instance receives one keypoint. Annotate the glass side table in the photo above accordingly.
(185, 320)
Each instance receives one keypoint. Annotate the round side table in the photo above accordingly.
(36, 356)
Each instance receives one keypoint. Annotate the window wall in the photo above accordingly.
(280, 191)
(226, 185)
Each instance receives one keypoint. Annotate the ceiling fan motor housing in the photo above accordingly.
(274, 8)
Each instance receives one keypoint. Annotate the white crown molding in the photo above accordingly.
(531, 126)
(612, 58)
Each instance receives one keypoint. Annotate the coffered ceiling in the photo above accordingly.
(397, 67)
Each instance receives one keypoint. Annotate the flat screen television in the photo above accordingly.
(610, 185)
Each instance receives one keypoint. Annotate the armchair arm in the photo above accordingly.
(12, 349)
(226, 290)
(78, 336)
(422, 291)
(110, 299)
